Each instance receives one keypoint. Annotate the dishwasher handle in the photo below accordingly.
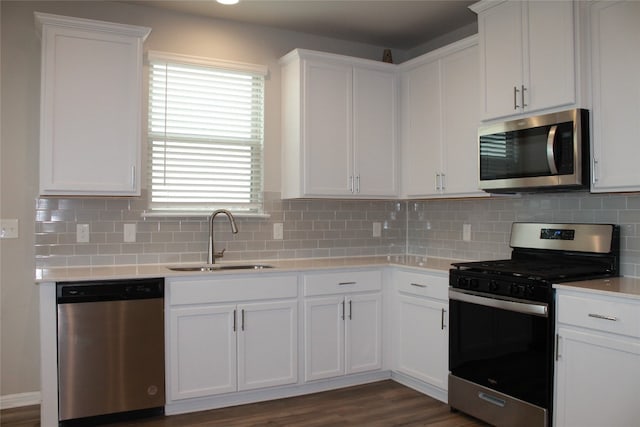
(109, 290)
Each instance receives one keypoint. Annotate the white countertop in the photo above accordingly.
(614, 286)
(628, 287)
(62, 274)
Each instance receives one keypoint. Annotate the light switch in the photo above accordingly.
(466, 232)
(278, 231)
(129, 233)
(9, 228)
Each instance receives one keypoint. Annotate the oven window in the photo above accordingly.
(503, 350)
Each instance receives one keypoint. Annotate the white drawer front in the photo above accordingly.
(601, 314)
(342, 282)
(421, 284)
(208, 290)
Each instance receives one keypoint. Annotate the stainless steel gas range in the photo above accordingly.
(501, 319)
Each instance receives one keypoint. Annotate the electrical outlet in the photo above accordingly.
(377, 229)
(278, 231)
(8, 228)
(466, 232)
(129, 233)
(82, 233)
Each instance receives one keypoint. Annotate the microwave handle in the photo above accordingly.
(551, 159)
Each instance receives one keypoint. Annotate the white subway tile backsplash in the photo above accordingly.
(321, 228)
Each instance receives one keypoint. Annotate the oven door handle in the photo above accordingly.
(490, 301)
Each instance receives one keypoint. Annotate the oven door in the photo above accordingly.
(503, 345)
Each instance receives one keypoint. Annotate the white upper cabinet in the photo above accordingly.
(90, 117)
(615, 70)
(439, 122)
(527, 56)
(339, 126)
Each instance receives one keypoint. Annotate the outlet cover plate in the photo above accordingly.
(9, 229)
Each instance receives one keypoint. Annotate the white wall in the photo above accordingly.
(20, 75)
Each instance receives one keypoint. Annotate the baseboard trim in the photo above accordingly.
(20, 399)
(421, 386)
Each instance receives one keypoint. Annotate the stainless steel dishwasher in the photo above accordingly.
(110, 349)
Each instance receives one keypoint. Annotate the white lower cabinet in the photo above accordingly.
(218, 347)
(598, 361)
(342, 327)
(422, 339)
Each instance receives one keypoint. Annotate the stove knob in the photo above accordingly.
(530, 290)
(493, 286)
(474, 283)
(514, 289)
(463, 282)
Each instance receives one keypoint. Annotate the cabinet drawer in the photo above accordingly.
(422, 284)
(342, 282)
(202, 291)
(601, 314)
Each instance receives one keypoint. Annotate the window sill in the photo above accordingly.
(199, 214)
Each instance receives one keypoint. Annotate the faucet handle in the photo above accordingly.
(219, 254)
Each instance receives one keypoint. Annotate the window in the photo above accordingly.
(205, 135)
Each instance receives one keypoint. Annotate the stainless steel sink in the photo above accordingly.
(216, 267)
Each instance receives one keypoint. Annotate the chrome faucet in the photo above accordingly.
(212, 255)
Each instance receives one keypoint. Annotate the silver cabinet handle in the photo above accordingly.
(558, 355)
(522, 96)
(133, 177)
(351, 183)
(594, 178)
(443, 184)
(350, 310)
(515, 98)
(603, 317)
(418, 285)
(551, 158)
(346, 283)
(358, 184)
(342, 309)
(243, 319)
(442, 319)
(234, 320)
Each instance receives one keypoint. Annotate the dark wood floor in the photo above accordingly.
(380, 404)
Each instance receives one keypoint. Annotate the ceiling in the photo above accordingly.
(399, 24)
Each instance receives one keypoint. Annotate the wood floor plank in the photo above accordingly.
(379, 404)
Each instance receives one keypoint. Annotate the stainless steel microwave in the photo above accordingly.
(539, 153)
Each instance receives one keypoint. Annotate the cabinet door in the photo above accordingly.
(363, 333)
(421, 130)
(202, 345)
(374, 133)
(90, 132)
(550, 65)
(597, 380)
(267, 344)
(460, 120)
(327, 128)
(501, 40)
(423, 348)
(616, 95)
(324, 337)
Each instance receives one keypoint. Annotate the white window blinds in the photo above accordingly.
(206, 131)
